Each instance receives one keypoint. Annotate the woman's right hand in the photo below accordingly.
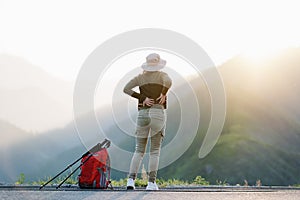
(148, 102)
(161, 99)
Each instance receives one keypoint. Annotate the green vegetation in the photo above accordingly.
(297, 185)
(140, 182)
(21, 179)
(72, 180)
(235, 158)
(120, 183)
(200, 181)
(163, 183)
(224, 182)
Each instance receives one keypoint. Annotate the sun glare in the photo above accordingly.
(260, 54)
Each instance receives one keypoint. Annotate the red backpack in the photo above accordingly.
(95, 170)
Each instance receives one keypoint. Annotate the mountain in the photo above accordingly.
(260, 138)
(43, 155)
(235, 158)
(270, 92)
(30, 154)
(31, 98)
(261, 135)
(11, 134)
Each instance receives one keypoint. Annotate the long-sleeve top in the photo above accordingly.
(151, 85)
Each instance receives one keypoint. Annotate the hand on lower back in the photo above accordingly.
(161, 99)
(148, 102)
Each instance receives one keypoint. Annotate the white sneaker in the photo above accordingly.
(130, 184)
(151, 186)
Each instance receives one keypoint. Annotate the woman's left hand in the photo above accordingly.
(148, 102)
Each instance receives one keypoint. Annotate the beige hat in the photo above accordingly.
(153, 63)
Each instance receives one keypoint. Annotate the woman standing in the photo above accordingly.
(152, 102)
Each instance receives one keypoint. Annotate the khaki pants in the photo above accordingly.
(150, 124)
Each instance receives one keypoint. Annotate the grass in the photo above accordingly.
(21, 179)
(297, 185)
(139, 182)
(117, 183)
(72, 180)
(163, 183)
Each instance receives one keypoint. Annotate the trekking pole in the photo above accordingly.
(60, 173)
(96, 148)
(74, 170)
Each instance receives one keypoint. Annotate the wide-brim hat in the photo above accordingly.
(153, 63)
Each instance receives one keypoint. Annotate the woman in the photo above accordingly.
(153, 85)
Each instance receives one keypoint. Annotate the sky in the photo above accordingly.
(58, 35)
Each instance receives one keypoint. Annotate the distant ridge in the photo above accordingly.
(30, 97)
(260, 139)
